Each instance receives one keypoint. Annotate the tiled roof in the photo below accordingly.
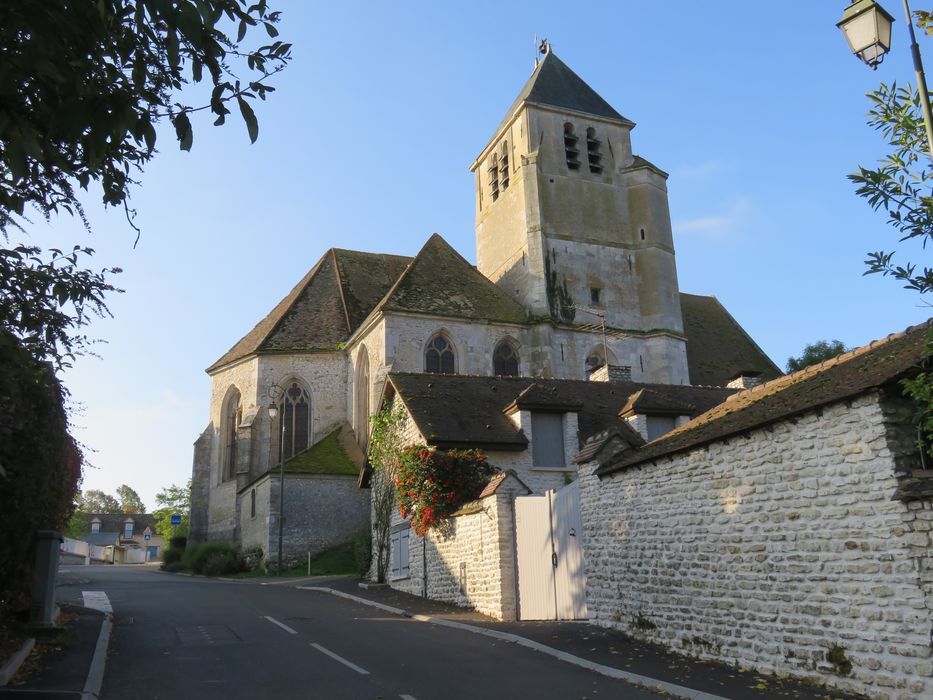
(458, 411)
(660, 403)
(553, 84)
(718, 348)
(441, 282)
(114, 522)
(324, 308)
(496, 481)
(848, 375)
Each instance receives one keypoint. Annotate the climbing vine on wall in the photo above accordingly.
(434, 484)
(558, 296)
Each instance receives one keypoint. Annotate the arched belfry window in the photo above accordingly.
(571, 151)
(505, 360)
(494, 178)
(504, 166)
(361, 398)
(593, 155)
(233, 416)
(295, 414)
(439, 356)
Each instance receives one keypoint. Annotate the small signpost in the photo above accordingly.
(147, 535)
(175, 521)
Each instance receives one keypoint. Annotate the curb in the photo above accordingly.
(12, 664)
(643, 681)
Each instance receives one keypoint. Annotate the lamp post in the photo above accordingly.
(867, 28)
(273, 414)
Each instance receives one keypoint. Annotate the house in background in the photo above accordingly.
(125, 534)
(575, 274)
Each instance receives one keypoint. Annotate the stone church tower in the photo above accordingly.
(573, 226)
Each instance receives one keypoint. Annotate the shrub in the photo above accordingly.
(433, 484)
(363, 552)
(171, 556)
(173, 567)
(196, 556)
(222, 562)
(179, 542)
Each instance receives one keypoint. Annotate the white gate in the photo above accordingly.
(551, 581)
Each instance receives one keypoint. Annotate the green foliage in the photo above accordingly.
(130, 502)
(363, 552)
(900, 184)
(171, 555)
(433, 484)
(40, 465)
(86, 83)
(336, 561)
(385, 446)
(96, 501)
(815, 353)
(920, 389)
(214, 557)
(174, 499)
(83, 87)
(46, 298)
(327, 456)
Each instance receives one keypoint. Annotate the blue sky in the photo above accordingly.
(756, 110)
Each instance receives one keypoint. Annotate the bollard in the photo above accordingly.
(43, 611)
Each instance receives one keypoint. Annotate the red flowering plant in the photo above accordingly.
(433, 484)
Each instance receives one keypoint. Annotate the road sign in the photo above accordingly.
(147, 537)
(176, 519)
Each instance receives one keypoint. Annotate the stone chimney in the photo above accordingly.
(746, 379)
(611, 373)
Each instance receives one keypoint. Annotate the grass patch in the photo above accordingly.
(339, 561)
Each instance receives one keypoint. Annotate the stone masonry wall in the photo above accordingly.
(780, 550)
(470, 559)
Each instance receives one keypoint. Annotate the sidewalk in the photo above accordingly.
(58, 667)
(595, 644)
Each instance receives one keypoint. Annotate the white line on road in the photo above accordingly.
(407, 697)
(97, 600)
(348, 664)
(283, 626)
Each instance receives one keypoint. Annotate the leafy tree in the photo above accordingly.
(900, 184)
(83, 86)
(815, 353)
(130, 502)
(174, 499)
(96, 501)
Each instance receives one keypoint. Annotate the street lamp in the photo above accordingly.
(867, 27)
(273, 414)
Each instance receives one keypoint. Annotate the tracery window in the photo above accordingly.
(234, 416)
(295, 413)
(505, 360)
(439, 356)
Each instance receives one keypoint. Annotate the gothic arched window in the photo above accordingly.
(233, 415)
(295, 414)
(361, 398)
(505, 360)
(439, 356)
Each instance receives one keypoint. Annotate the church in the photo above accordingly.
(572, 316)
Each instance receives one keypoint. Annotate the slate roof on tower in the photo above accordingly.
(324, 308)
(553, 84)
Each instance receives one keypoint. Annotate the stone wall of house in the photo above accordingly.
(254, 529)
(321, 511)
(470, 559)
(780, 550)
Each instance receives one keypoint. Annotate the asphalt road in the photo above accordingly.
(178, 637)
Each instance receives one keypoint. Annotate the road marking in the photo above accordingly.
(95, 674)
(407, 697)
(97, 600)
(348, 664)
(283, 626)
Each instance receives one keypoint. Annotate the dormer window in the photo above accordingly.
(571, 151)
(547, 440)
(494, 178)
(128, 530)
(95, 527)
(593, 155)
